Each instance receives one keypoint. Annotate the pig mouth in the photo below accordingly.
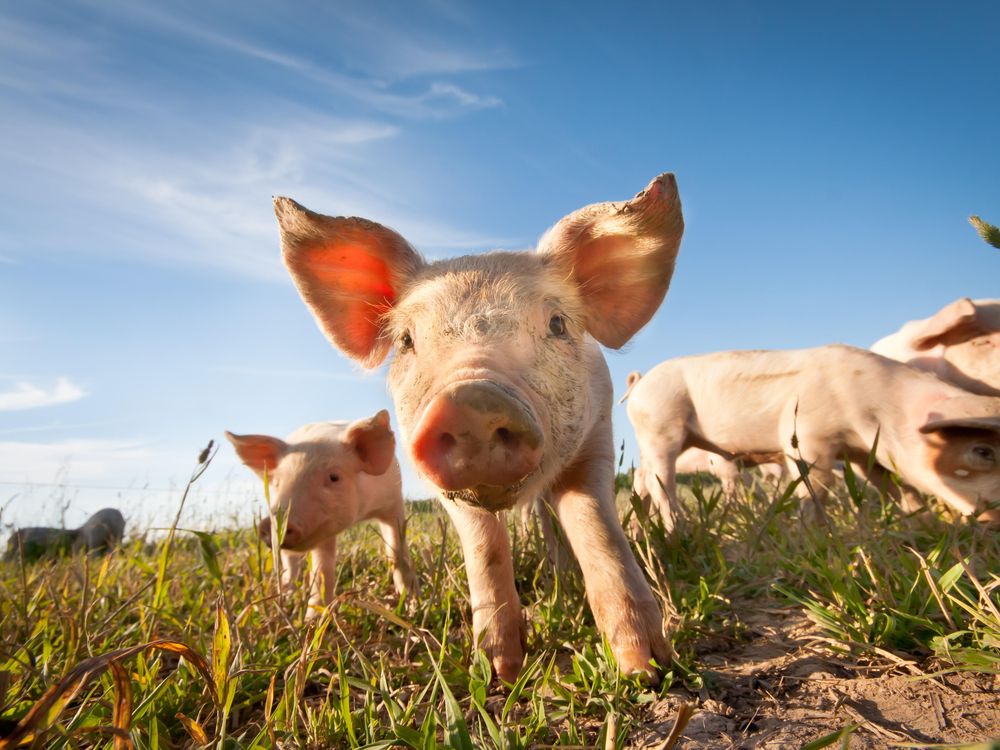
(491, 497)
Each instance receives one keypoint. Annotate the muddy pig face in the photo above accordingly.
(313, 475)
(494, 361)
(963, 438)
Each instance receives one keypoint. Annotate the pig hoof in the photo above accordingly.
(636, 663)
(990, 518)
(507, 668)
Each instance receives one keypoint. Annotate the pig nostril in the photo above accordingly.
(506, 436)
(447, 440)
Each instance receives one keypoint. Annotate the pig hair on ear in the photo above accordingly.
(621, 257)
(349, 272)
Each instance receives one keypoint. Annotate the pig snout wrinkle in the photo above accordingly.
(475, 433)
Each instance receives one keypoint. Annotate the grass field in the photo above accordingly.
(875, 593)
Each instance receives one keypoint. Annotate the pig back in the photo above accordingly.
(102, 531)
(35, 542)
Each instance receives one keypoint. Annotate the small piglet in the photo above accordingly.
(501, 389)
(747, 405)
(324, 478)
(960, 343)
(99, 534)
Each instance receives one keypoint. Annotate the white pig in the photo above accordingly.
(501, 389)
(324, 478)
(960, 343)
(835, 399)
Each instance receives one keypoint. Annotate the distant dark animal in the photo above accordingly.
(99, 534)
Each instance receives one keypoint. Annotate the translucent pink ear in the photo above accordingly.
(973, 412)
(349, 272)
(373, 441)
(621, 256)
(259, 452)
(951, 325)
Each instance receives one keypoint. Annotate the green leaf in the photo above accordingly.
(209, 553)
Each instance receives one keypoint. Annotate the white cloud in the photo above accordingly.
(73, 460)
(30, 396)
(375, 46)
(183, 179)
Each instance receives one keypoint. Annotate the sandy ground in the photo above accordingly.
(784, 688)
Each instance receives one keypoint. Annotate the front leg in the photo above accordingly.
(496, 611)
(619, 596)
(324, 577)
(393, 530)
(291, 569)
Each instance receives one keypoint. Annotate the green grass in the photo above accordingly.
(377, 672)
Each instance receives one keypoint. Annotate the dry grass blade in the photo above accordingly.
(122, 719)
(194, 729)
(684, 713)
(47, 710)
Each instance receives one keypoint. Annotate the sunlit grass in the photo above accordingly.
(377, 672)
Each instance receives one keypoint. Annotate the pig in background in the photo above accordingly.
(835, 399)
(99, 534)
(324, 478)
(501, 390)
(960, 344)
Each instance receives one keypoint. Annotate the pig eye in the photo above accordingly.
(984, 453)
(557, 325)
(334, 478)
(406, 342)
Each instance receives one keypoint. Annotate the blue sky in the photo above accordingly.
(828, 157)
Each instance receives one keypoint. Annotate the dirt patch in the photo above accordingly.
(783, 688)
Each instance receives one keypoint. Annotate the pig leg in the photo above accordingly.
(554, 546)
(393, 532)
(497, 624)
(906, 496)
(620, 598)
(661, 483)
(641, 491)
(814, 488)
(291, 569)
(324, 577)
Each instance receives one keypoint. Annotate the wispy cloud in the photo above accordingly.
(30, 396)
(184, 178)
(381, 51)
(73, 460)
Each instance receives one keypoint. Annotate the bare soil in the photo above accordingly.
(785, 688)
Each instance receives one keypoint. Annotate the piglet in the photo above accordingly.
(501, 390)
(834, 400)
(324, 478)
(960, 343)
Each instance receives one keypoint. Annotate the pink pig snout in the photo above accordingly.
(293, 535)
(476, 435)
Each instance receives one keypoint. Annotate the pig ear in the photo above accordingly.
(349, 272)
(373, 441)
(259, 452)
(621, 256)
(974, 412)
(951, 325)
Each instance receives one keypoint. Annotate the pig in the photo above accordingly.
(960, 343)
(99, 534)
(324, 478)
(748, 405)
(35, 542)
(501, 389)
